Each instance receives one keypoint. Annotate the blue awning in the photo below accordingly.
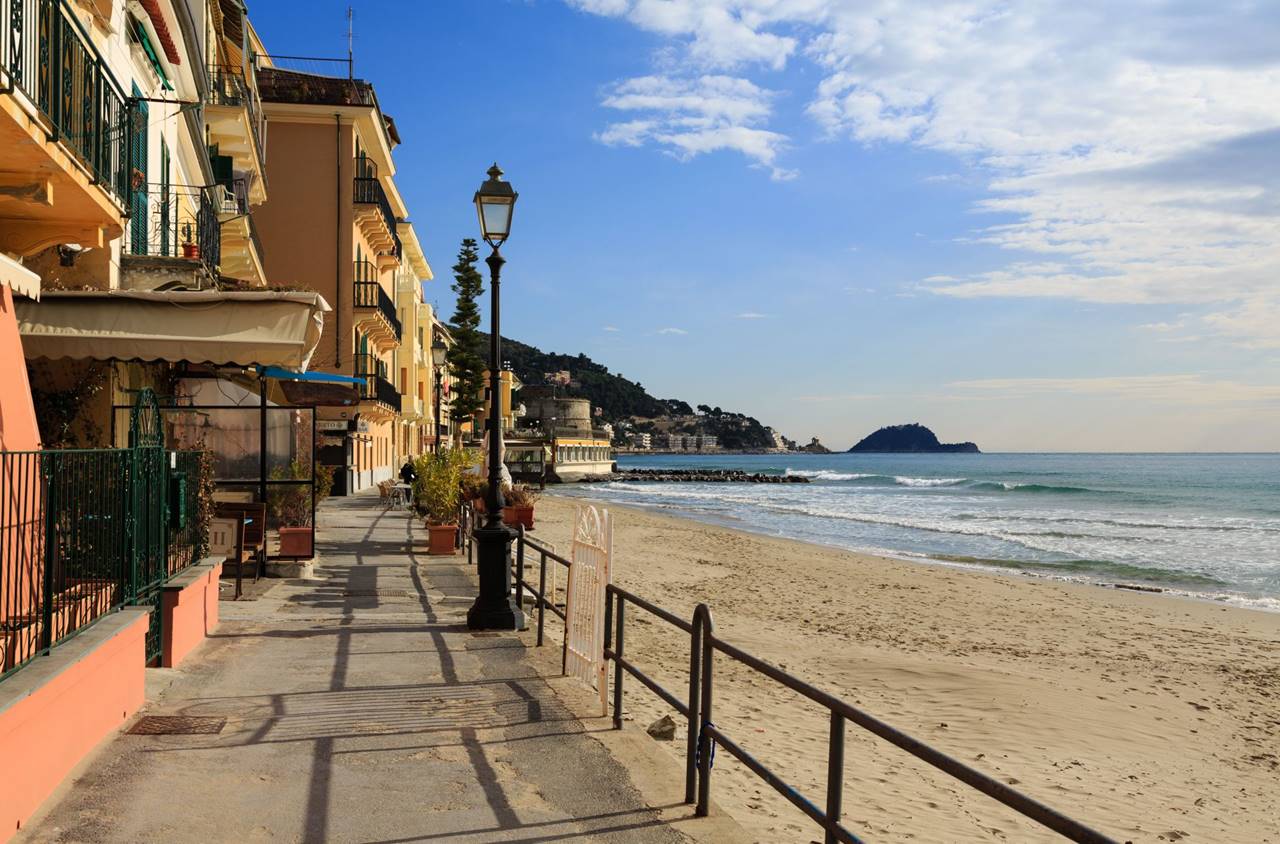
(323, 377)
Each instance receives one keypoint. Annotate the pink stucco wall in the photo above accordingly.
(190, 615)
(18, 428)
(45, 734)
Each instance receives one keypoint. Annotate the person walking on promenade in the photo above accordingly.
(407, 473)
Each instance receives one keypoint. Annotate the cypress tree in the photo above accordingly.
(466, 358)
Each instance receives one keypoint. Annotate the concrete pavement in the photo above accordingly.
(359, 708)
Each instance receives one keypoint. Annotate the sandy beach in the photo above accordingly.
(1149, 717)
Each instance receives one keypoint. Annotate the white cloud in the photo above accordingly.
(1132, 147)
(751, 315)
(689, 117)
(611, 328)
(672, 331)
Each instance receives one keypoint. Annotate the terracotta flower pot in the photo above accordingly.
(518, 516)
(295, 542)
(190, 250)
(442, 538)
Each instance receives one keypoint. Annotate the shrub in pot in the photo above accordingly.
(519, 509)
(437, 492)
(290, 505)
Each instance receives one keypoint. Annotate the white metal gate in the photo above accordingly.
(585, 597)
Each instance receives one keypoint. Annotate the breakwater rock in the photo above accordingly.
(694, 476)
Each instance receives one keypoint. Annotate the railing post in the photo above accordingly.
(49, 501)
(621, 616)
(835, 773)
(695, 696)
(704, 720)
(520, 566)
(542, 594)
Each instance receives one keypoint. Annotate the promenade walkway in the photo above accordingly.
(359, 708)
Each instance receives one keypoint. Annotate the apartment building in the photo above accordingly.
(333, 224)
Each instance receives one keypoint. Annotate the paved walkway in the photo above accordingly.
(360, 709)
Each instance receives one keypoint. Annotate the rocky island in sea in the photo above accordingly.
(913, 438)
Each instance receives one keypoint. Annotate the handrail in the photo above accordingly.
(704, 734)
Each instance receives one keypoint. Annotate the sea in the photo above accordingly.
(1201, 525)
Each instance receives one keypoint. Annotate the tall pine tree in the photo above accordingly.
(466, 358)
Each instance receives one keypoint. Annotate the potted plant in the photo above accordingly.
(437, 491)
(190, 249)
(519, 510)
(290, 505)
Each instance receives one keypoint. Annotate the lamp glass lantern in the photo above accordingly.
(438, 352)
(495, 202)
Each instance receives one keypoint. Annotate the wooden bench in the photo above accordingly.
(250, 537)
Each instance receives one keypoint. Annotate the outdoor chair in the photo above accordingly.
(251, 544)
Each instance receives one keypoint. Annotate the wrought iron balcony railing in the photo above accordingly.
(367, 190)
(230, 86)
(176, 221)
(369, 294)
(376, 387)
(46, 54)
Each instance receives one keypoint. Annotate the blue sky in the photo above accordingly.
(1048, 227)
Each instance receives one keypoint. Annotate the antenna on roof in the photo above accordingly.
(351, 64)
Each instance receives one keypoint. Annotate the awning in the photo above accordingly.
(20, 279)
(221, 328)
(316, 389)
(324, 377)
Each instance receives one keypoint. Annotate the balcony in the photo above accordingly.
(376, 389)
(63, 129)
(174, 229)
(242, 255)
(375, 313)
(373, 212)
(237, 125)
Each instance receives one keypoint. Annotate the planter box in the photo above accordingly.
(295, 541)
(518, 516)
(442, 539)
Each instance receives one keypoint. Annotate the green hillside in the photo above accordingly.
(621, 398)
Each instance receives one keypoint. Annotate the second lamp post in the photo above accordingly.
(494, 607)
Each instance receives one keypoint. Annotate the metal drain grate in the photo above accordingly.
(379, 593)
(177, 725)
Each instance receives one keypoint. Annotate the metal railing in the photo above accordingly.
(376, 387)
(229, 86)
(367, 190)
(368, 293)
(704, 736)
(179, 221)
(46, 54)
(85, 532)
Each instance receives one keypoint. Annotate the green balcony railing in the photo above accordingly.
(47, 56)
(85, 532)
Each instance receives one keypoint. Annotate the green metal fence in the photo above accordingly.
(85, 532)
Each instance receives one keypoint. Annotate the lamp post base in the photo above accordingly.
(495, 607)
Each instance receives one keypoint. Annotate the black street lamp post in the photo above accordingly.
(438, 351)
(494, 607)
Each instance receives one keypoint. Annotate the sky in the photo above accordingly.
(1039, 226)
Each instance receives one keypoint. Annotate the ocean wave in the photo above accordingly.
(827, 475)
(929, 482)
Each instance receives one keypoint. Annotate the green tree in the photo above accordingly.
(466, 356)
